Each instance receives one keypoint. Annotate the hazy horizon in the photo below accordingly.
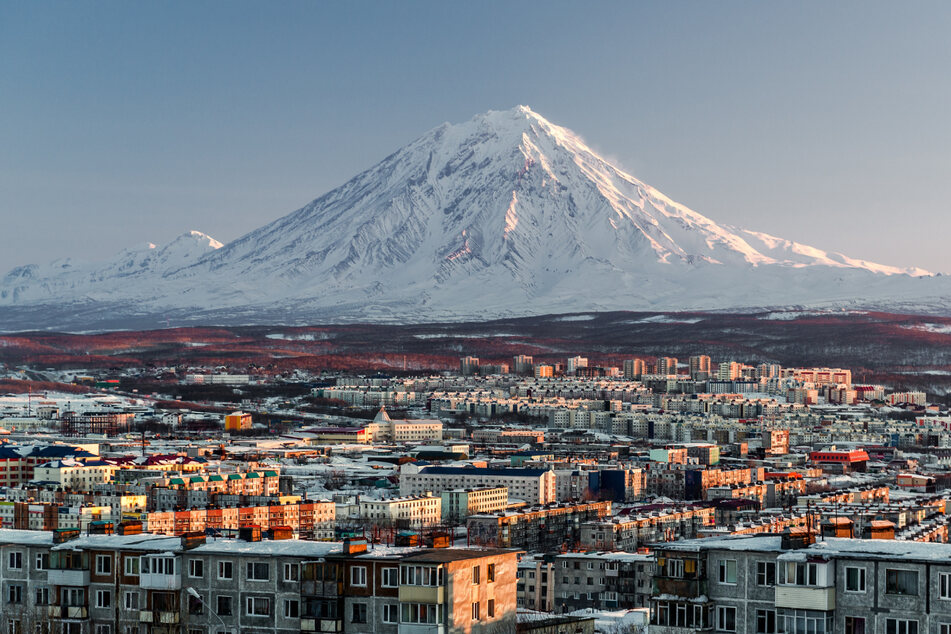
(125, 124)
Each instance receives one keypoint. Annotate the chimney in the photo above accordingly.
(192, 540)
(61, 535)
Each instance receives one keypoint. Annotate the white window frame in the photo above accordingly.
(251, 603)
(722, 610)
(225, 565)
(723, 571)
(291, 572)
(861, 579)
(130, 600)
(391, 577)
(192, 564)
(102, 560)
(132, 566)
(358, 576)
(103, 598)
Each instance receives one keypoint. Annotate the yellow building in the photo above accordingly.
(238, 421)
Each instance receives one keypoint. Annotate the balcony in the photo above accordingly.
(331, 625)
(168, 618)
(145, 616)
(419, 628)
(160, 582)
(67, 612)
(68, 577)
(805, 598)
(308, 625)
(422, 594)
(679, 587)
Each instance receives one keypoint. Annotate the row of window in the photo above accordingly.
(897, 581)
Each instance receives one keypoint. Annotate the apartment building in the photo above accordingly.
(536, 529)
(409, 511)
(646, 525)
(409, 590)
(535, 486)
(458, 504)
(788, 583)
(145, 584)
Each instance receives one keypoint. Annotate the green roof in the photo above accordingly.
(270, 474)
(253, 474)
(196, 479)
(234, 476)
(176, 481)
(216, 478)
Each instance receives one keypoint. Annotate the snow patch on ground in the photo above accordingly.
(666, 319)
(939, 329)
(575, 318)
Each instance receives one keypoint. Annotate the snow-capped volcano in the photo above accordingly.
(505, 214)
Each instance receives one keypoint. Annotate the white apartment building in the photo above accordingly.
(534, 486)
(420, 510)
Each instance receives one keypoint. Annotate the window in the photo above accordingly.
(490, 609)
(291, 608)
(195, 604)
(74, 597)
(13, 626)
(16, 560)
(854, 579)
(15, 594)
(42, 596)
(765, 573)
(422, 576)
(727, 571)
(103, 629)
(800, 574)
(475, 611)
(420, 613)
(258, 571)
(856, 625)
(391, 578)
(359, 614)
(103, 564)
(358, 577)
(225, 570)
(224, 606)
(158, 565)
(391, 612)
(42, 561)
(257, 606)
(943, 628)
(944, 585)
(675, 568)
(475, 575)
(196, 568)
(130, 600)
(490, 573)
(901, 582)
(103, 598)
(726, 617)
(291, 572)
(131, 566)
(901, 626)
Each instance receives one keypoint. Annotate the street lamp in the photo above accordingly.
(194, 594)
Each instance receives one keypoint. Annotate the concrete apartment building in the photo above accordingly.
(410, 591)
(145, 584)
(787, 583)
(406, 512)
(534, 486)
(458, 504)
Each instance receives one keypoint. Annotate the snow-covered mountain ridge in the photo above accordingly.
(506, 214)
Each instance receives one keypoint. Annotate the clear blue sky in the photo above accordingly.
(120, 123)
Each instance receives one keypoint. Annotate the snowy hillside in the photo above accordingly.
(506, 214)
